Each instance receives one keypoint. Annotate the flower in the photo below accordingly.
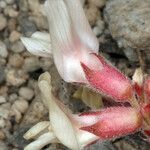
(74, 49)
(62, 127)
(71, 39)
(113, 122)
(79, 130)
(109, 81)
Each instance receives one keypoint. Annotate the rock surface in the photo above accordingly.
(129, 22)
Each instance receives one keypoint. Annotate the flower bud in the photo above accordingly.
(108, 80)
(113, 122)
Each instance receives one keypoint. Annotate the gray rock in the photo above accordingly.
(23, 5)
(11, 12)
(14, 36)
(3, 4)
(9, 1)
(13, 97)
(3, 146)
(129, 22)
(3, 50)
(17, 47)
(98, 29)
(16, 78)
(14, 63)
(31, 64)
(2, 75)
(3, 22)
(2, 62)
(131, 54)
(2, 99)
(27, 26)
(4, 110)
(26, 93)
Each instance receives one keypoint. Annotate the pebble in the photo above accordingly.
(13, 13)
(16, 60)
(98, 3)
(2, 135)
(2, 99)
(46, 63)
(27, 26)
(31, 64)
(12, 98)
(92, 14)
(99, 28)
(3, 50)
(35, 7)
(2, 123)
(131, 54)
(14, 36)
(23, 5)
(3, 22)
(20, 105)
(9, 1)
(2, 75)
(35, 113)
(40, 21)
(18, 108)
(3, 145)
(18, 47)
(82, 2)
(3, 90)
(26, 93)
(12, 24)
(2, 62)
(16, 77)
(4, 110)
(3, 4)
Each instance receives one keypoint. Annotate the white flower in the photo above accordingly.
(62, 127)
(71, 40)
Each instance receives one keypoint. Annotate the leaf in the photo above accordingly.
(89, 97)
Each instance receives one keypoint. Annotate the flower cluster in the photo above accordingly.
(74, 49)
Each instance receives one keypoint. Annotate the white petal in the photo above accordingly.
(60, 31)
(138, 76)
(71, 37)
(42, 141)
(39, 44)
(60, 123)
(81, 25)
(35, 130)
(42, 36)
(86, 138)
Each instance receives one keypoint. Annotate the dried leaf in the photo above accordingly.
(89, 97)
